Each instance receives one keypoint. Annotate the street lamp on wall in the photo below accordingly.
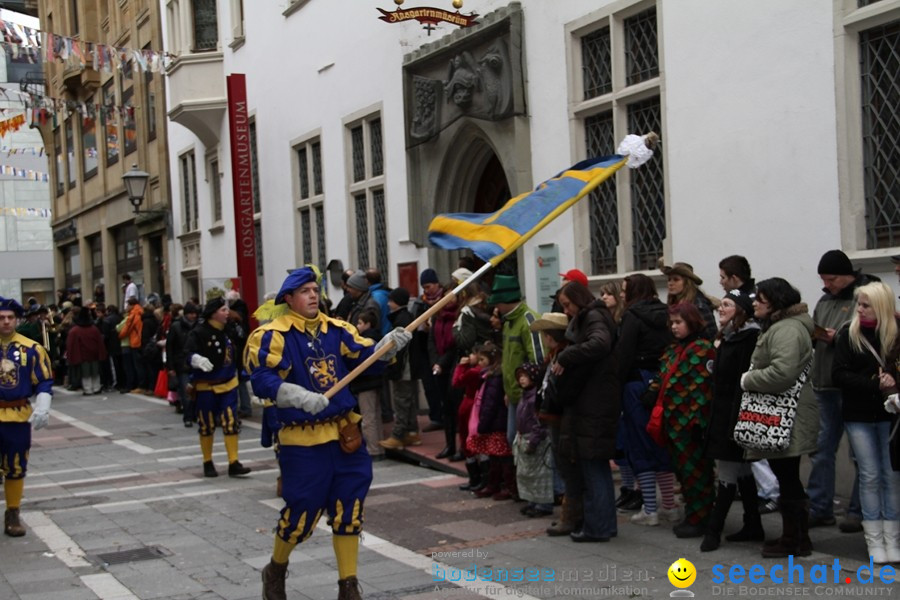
(135, 182)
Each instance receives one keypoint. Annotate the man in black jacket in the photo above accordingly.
(175, 359)
(404, 389)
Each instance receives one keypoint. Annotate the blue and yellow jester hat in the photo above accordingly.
(10, 304)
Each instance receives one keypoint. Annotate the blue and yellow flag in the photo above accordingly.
(494, 236)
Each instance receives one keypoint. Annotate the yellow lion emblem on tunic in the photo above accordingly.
(322, 371)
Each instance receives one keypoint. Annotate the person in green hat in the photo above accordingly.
(520, 344)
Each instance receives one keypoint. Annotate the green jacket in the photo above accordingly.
(781, 354)
(520, 345)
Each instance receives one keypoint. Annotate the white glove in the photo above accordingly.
(291, 395)
(892, 404)
(202, 363)
(399, 336)
(743, 377)
(40, 414)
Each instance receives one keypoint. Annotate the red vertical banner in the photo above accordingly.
(242, 186)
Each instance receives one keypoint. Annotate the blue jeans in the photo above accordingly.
(820, 487)
(879, 484)
(599, 498)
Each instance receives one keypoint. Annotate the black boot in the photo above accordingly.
(752, 531)
(794, 516)
(494, 478)
(713, 536)
(474, 476)
(484, 467)
(348, 589)
(209, 469)
(273, 576)
(625, 496)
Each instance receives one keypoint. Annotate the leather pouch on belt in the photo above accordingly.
(350, 437)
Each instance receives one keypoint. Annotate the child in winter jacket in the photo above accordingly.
(531, 447)
(467, 376)
(487, 426)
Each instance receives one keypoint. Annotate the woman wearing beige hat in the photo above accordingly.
(684, 286)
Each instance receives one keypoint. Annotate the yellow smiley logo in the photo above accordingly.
(682, 573)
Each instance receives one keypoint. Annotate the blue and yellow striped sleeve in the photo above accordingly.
(265, 361)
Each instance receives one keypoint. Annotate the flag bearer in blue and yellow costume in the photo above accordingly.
(293, 361)
(24, 372)
(214, 366)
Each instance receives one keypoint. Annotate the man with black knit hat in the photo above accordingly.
(834, 309)
(24, 372)
(214, 364)
(293, 360)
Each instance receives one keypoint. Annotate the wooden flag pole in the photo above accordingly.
(411, 328)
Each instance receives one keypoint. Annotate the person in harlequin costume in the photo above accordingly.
(24, 372)
(293, 361)
(686, 391)
(213, 362)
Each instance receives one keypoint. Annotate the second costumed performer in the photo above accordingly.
(325, 468)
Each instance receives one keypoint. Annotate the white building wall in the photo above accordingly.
(748, 97)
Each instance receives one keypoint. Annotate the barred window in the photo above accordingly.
(879, 50)
(189, 207)
(254, 169)
(215, 185)
(309, 203)
(631, 216)
(641, 48)
(596, 63)
(367, 195)
(206, 25)
(604, 212)
(648, 199)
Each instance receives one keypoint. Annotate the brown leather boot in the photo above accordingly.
(12, 526)
(570, 517)
(348, 589)
(273, 578)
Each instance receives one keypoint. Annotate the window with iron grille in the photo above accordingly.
(359, 153)
(303, 172)
(206, 25)
(215, 185)
(381, 246)
(879, 50)
(641, 48)
(89, 140)
(254, 169)
(619, 215)
(367, 194)
(362, 230)
(317, 167)
(309, 199)
(596, 63)
(375, 140)
(189, 218)
(648, 199)
(257, 234)
(129, 127)
(604, 212)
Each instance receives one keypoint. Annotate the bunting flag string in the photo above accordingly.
(43, 107)
(8, 151)
(75, 52)
(11, 125)
(21, 211)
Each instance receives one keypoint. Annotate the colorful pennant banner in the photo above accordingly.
(20, 211)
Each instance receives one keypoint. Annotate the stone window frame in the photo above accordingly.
(618, 100)
(309, 206)
(368, 187)
(849, 21)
